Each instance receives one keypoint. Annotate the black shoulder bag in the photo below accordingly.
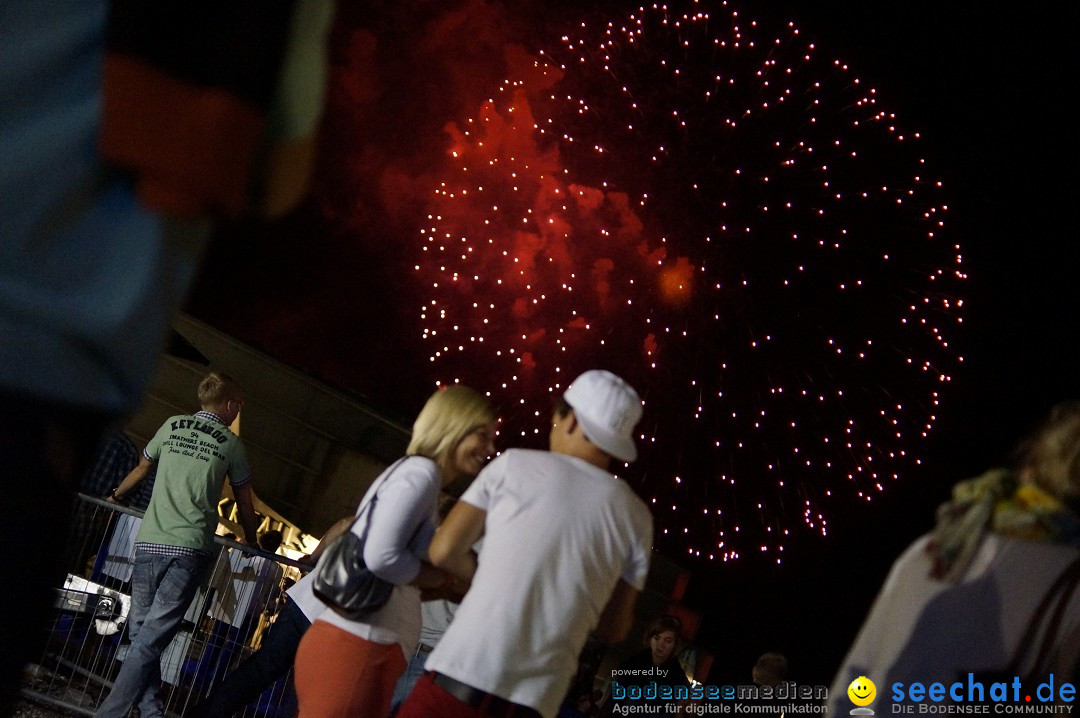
(342, 580)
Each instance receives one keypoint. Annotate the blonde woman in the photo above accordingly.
(349, 668)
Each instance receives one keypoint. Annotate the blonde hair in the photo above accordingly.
(1052, 454)
(216, 388)
(449, 416)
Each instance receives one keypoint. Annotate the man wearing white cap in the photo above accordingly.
(566, 552)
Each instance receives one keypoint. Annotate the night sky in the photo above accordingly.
(332, 288)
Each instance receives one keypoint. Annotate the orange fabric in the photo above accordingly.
(192, 148)
(339, 675)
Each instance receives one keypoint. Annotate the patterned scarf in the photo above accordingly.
(997, 502)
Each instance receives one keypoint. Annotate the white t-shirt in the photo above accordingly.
(402, 525)
(559, 534)
(924, 630)
(435, 618)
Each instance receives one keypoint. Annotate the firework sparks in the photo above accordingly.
(732, 221)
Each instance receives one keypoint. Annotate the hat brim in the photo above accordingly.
(620, 447)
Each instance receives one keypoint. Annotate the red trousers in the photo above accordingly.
(339, 675)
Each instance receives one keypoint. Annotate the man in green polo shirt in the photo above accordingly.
(194, 453)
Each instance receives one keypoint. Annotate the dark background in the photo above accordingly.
(991, 88)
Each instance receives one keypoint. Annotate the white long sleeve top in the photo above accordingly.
(402, 523)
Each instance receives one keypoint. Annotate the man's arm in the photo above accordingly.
(618, 615)
(245, 508)
(430, 578)
(132, 479)
(451, 549)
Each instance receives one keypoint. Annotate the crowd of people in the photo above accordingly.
(498, 595)
(544, 551)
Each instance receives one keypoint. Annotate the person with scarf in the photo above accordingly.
(1002, 562)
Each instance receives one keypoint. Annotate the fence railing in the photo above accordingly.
(87, 636)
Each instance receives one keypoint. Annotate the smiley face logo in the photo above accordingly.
(862, 691)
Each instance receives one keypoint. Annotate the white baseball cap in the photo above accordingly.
(608, 409)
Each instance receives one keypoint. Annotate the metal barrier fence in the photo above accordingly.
(224, 624)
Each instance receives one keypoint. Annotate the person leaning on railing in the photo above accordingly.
(173, 549)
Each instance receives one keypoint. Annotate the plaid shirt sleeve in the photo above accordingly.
(115, 461)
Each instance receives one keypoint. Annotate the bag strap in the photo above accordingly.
(369, 506)
(1061, 592)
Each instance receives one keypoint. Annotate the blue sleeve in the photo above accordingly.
(405, 507)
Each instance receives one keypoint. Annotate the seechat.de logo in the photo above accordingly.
(975, 696)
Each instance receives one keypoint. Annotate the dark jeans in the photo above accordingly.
(161, 589)
(408, 679)
(273, 660)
